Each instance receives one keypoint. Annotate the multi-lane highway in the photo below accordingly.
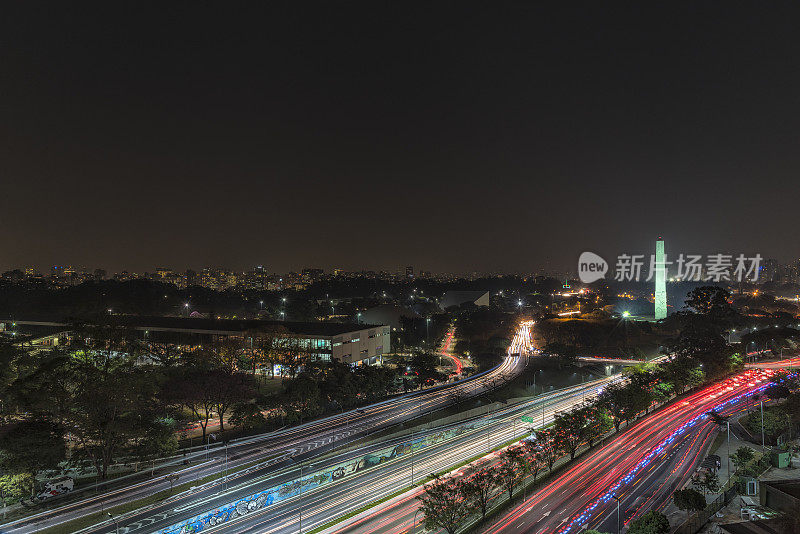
(479, 435)
(267, 453)
(654, 457)
(641, 467)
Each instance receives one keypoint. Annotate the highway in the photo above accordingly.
(267, 453)
(642, 466)
(651, 456)
(320, 506)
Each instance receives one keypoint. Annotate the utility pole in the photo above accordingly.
(729, 450)
(488, 407)
(114, 519)
(300, 500)
(411, 450)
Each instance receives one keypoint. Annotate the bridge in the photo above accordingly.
(618, 361)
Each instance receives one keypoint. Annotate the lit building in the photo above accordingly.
(354, 344)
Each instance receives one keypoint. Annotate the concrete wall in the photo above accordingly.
(361, 347)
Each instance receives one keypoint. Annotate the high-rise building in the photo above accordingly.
(660, 276)
(409, 272)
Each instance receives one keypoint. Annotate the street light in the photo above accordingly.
(617, 499)
(114, 519)
(414, 524)
(761, 400)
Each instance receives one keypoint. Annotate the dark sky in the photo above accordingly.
(376, 135)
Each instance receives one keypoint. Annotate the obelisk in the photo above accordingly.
(661, 280)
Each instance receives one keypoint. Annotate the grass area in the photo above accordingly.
(268, 386)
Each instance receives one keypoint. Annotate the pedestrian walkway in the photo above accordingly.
(721, 447)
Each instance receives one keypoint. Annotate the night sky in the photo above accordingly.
(372, 135)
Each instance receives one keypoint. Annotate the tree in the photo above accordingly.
(652, 522)
(423, 365)
(624, 401)
(193, 389)
(247, 416)
(443, 505)
(689, 500)
(28, 447)
(229, 389)
(570, 426)
(509, 472)
(711, 301)
(708, 481)
(775, 423)
(551, 447)
(534, 458)
(478, 489)
(302, 393)
(15, 487)
(682, 372)
(598, 422)
(742, 457)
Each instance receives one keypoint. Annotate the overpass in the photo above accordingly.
(618, 361)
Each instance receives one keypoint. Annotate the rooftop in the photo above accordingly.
(229, 325)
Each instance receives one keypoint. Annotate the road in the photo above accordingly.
(445, 350)
(320, 506)
(789, 363)
(270, 452)
(641, 466)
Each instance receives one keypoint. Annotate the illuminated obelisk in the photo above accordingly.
(661, 283)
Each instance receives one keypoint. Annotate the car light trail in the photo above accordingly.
(596, 478)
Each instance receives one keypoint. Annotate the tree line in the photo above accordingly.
(108, 398)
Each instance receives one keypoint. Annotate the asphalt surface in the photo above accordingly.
(327, 503)
(642, 467)
(271, 452)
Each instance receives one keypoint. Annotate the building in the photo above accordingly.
(354, 344)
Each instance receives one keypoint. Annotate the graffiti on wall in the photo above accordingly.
(262, 499)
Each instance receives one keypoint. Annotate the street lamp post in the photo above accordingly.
(488, 438)
(618, 524)
(300, 499)
(729, 450)
(414, 524)
(411, 453)
(761, 400)
(114, 519)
